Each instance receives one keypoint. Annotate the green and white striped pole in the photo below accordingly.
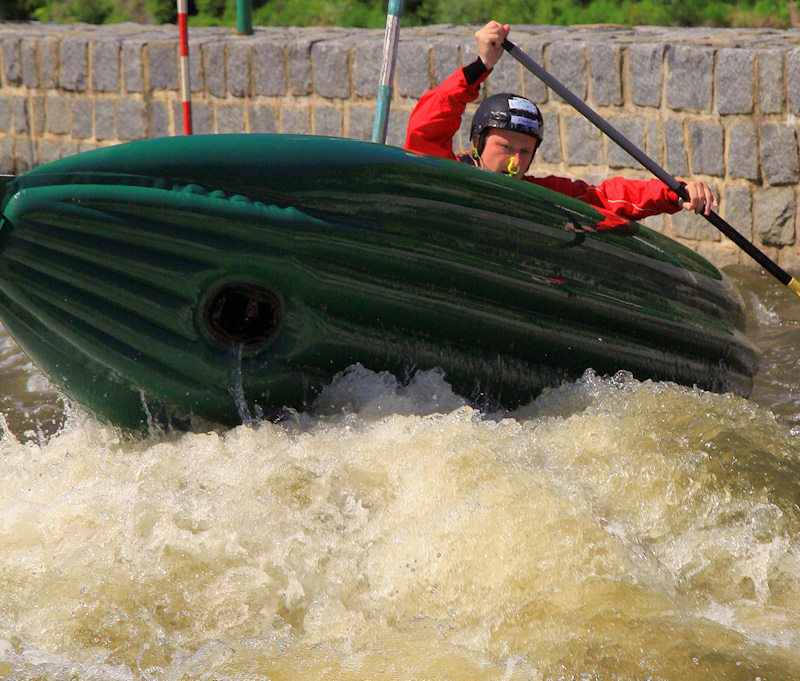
(387, 71)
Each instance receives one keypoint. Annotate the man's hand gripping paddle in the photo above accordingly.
(678, 187)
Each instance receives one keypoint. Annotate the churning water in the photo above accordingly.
(612, 529)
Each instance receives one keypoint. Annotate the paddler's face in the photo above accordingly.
(508, 152)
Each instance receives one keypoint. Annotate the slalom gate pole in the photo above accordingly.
(244, 17)
(183, 30)
(390, 39)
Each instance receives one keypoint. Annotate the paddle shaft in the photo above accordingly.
(678, 187)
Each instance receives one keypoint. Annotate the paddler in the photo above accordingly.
(506, 131)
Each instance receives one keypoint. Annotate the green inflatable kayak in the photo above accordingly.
(186, 276)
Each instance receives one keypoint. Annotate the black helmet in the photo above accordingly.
(509, 112)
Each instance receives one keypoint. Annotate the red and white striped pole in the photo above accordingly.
(183, 29)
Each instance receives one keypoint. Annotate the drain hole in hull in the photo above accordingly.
(242, 315)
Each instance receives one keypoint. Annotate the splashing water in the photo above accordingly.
(611, 529)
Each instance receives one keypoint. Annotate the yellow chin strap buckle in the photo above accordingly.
(513, 168)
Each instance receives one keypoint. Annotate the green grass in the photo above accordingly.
(625, 12)
(372, 13)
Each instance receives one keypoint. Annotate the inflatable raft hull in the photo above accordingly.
(214, 275)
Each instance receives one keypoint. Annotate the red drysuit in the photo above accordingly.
(437, 117)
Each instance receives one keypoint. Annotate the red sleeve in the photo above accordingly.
(437, 116)
(618, 197)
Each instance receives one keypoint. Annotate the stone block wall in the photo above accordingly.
(714, 104)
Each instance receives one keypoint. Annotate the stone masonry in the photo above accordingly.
(714, 104)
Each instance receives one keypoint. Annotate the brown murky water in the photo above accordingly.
(610, 530)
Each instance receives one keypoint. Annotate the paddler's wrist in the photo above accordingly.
(474, 71)
(678, 200)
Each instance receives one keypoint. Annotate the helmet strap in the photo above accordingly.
(533, 155)
(478, 143)
(481, 143)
